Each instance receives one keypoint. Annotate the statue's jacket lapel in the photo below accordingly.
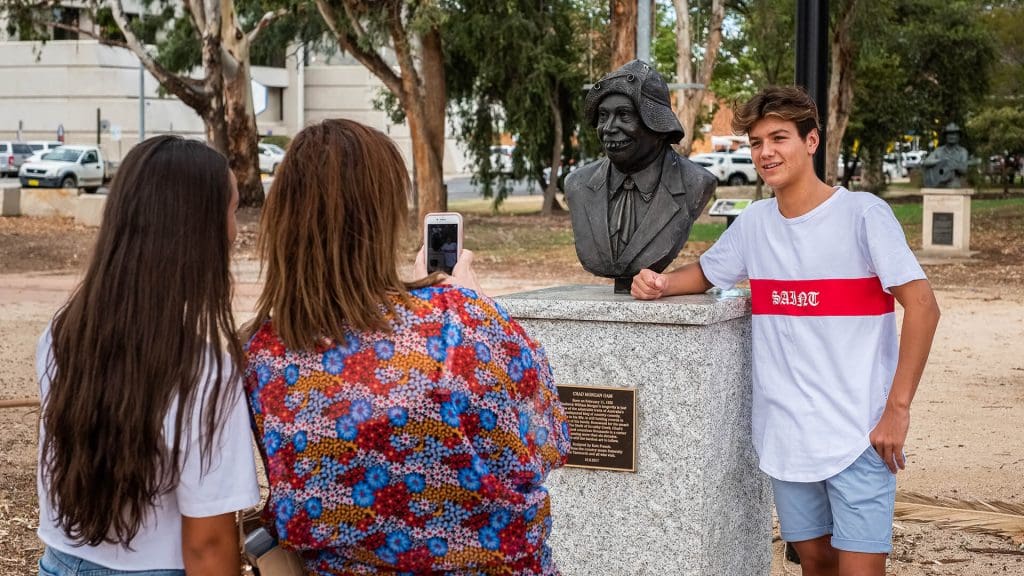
(669, 199)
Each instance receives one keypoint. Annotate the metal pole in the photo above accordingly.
(142, 101)
(142, 85)
(812, 64)
(99, 125)
(643, 30)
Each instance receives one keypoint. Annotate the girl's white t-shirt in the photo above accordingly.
(824, 332)
(228, 485)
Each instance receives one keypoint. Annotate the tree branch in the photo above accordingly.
(88, 33)
(198, 14)
(186, 90)
(353, 18)
(264, 23)
(371, 60)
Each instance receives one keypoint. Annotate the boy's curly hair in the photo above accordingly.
(783, 102)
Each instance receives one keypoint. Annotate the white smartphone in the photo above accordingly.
(442, 237)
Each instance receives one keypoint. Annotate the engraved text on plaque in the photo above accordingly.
(602, 424)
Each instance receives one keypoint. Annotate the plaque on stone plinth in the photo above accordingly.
(602, 425)
(942, 228)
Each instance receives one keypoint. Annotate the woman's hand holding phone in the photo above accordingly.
(463, 275)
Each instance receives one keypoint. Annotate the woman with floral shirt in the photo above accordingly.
(406, 427)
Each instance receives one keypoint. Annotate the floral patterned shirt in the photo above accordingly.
(419, 451)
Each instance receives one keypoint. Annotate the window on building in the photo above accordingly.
(67, 17)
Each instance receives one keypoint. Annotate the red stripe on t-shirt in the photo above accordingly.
(827, 297)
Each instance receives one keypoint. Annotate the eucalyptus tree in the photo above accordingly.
(410, 30)
(518, 67)
(174, 41)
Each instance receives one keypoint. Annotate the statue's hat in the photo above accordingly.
(642, 84)
(951, 127)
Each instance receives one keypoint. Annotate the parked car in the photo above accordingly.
(501, 159)
(12, 156)
(912, 160)
(731, 169)
(66, 167)
(270, 156)
(891, 169)
(40, 147)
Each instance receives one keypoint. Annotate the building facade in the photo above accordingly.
(90, 93)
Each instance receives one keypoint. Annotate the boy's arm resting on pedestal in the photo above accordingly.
(689, 279)
(920, 318)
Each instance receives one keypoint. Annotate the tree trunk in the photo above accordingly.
(872, 179)
(840, 89)
(424, 103)
(623, 31)
(242, 135)
(691, 100)
(551, 204)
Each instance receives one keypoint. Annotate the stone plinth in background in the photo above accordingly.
(946, 222)
(697, 505)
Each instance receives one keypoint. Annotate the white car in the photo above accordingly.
(40, 147)
(270, 156)
(731, 169)
(501, 159)
(66, 167)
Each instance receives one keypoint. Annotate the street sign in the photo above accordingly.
(115, 132)
(105, 125)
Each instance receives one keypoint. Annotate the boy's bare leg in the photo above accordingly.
(861, 564)
(818, 557)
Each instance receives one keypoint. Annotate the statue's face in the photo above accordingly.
(629, 144)
(952, 138)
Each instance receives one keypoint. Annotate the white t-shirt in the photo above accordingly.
(824, 329)
(227, 486)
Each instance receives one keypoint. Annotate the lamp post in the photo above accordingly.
(812, 64)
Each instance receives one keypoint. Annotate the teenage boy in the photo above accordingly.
(832, 387)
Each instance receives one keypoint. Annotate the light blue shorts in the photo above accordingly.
(855, 506)
(57, 563)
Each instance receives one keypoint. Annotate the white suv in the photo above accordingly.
(730, 169)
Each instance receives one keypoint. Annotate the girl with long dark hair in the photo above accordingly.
(145, 452)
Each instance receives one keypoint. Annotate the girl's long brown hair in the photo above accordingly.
(331, 233)
(139, 335)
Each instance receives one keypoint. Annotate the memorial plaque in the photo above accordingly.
(942, 228)
(602, 425)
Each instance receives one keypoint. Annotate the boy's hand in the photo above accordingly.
(889, 436)
(648, 285)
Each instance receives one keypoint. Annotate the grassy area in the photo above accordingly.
(910, 214)
(516, 235)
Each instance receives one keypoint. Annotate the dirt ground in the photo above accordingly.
(966, 433)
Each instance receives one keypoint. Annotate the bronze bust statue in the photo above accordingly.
(946, 166)
(634, 208)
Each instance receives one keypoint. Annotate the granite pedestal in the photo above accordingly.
(697, 504)
(946, 222)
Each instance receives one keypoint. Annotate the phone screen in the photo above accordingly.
(442, 247)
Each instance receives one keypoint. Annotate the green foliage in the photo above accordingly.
(758, 48)
(998, 130)
(509, 65)
(278, 140)
(920, 64)
(1006, 23)
(301, 25)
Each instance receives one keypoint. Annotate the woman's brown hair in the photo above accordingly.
(138, 337)
(331, 233)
